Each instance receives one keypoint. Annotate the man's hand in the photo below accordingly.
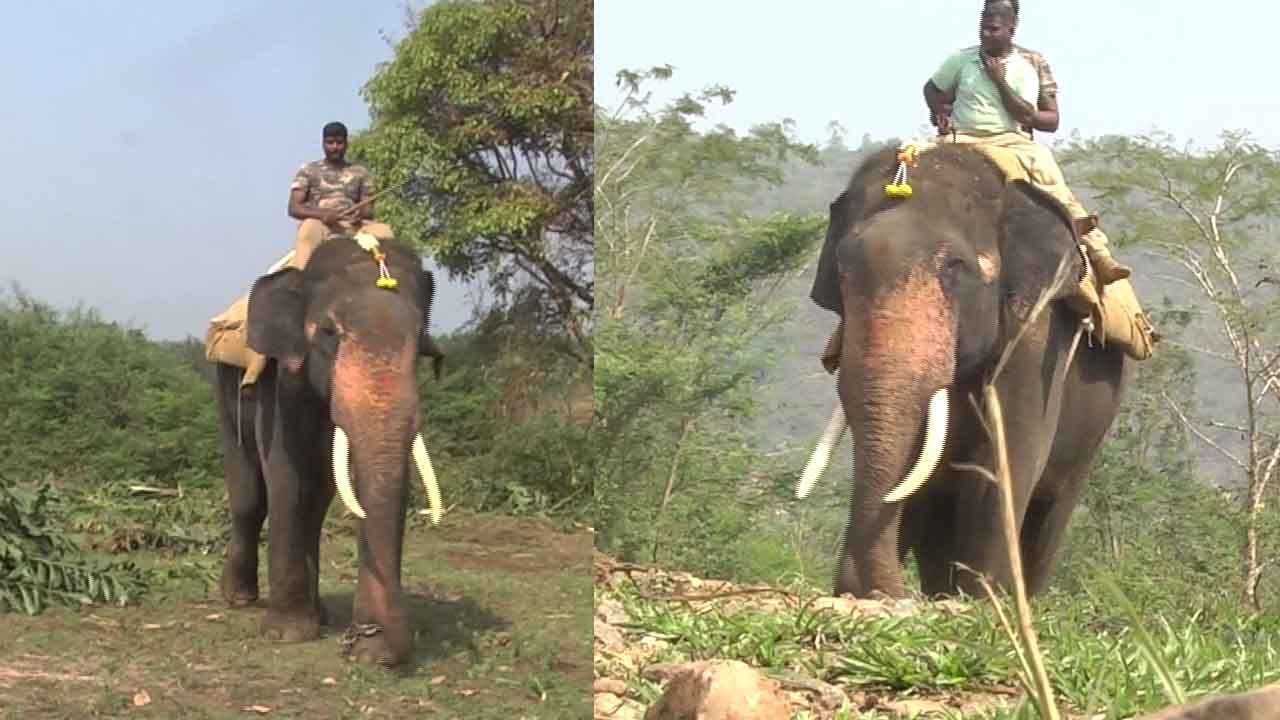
(330, 216)
(353, 216)
(942, 119)
(995, 69)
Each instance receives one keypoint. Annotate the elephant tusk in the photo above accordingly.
(821, 455)
(935, 437)
(422, 461)
(342, 472)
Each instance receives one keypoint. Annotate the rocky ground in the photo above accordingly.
(640, 676)
(637, 673)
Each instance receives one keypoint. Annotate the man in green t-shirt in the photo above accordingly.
(998, 93)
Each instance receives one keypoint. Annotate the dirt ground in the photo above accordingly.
(501, 606)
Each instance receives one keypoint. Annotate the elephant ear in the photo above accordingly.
(426, 344)
(1036, 234)
(826, 279)
(277, 306)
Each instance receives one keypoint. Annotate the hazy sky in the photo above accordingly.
(149, 146)
(1189, 68)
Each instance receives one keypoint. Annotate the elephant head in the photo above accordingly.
(931, 290)
(346, 344)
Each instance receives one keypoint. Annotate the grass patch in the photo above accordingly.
(948, 653)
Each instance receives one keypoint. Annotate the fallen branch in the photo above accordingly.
(149, 490)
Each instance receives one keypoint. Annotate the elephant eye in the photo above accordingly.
(955, 264)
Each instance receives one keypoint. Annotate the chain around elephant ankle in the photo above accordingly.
(355, 631)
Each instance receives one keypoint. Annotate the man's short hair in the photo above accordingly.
(335, 129)
(1007, 9)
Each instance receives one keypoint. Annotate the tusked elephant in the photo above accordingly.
(931, 290)
(339, 395)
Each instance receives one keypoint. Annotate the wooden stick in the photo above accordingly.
(364, 203)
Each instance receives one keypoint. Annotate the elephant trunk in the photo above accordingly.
(898, 360)
(374, 407)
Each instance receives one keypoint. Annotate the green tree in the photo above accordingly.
(1206, 213)
(690, 284)
(482, 125)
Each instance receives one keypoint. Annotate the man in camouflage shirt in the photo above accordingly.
(323, 194)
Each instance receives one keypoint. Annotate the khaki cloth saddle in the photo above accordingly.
(227, 339)
(1117, 316)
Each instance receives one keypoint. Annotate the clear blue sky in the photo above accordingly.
(149, 146)
(1188, 68)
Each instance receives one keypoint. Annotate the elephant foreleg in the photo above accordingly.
(934, 540)
(315, 507)
(1063, 480)
(1042, 534)
(1030, 410)
(294, 500)
(246, 492)
(1088, 409)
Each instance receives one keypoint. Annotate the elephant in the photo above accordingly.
(340, 392)
(931, 290)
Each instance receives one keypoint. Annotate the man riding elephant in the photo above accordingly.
(997, 94)
(331, 197)
(331, 194)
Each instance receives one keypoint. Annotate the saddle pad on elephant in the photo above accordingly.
(1009, 162)
(1123, 321)
(227, 339)
(1115, 307)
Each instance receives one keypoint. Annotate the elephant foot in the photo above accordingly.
(295, 627)
(322, 613)
(237, 591)
(368, 643)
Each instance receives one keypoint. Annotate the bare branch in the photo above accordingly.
(1200, 434)
(1177, 201)
(1270, 468)
(635, 267)
(1200, 350)
(1236, 428)
(626, 154)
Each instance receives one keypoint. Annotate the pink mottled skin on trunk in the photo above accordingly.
(375, 403)
(899, 349)
(371, 388)
(909, 335)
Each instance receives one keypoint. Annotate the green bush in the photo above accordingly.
(493, 452)
(91, 400)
